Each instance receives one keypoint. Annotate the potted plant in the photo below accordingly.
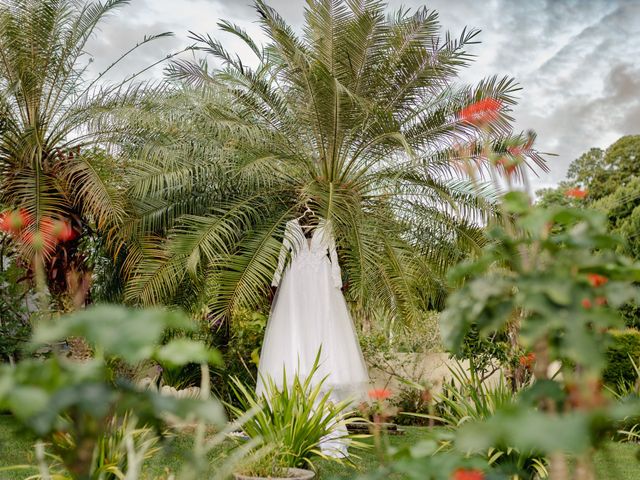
(272, 465)
(290, 422)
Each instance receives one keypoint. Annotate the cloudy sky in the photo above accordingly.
(576, 60)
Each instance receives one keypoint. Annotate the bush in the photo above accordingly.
(241, 353)
(619, 369)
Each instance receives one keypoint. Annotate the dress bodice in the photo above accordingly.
(308, 253)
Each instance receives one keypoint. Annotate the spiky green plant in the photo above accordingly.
(357, 119)
(293, 417)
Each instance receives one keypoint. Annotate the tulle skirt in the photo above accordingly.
(309, 313)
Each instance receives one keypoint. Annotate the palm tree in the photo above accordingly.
(52, 165)
(357, 120)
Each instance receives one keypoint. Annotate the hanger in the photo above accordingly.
(307, 210)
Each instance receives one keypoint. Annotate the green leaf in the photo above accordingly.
(516, 202)
(181, 351)
(130, 334)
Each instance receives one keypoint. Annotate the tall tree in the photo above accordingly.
(356, 119)
(51, 165)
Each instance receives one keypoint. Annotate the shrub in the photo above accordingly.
(469, 399)
(625, 346)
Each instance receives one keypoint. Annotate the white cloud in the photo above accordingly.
(573, 58)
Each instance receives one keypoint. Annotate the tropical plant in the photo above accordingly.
(469, 398)
(359, 119)
(564, 285)
(54, 172)
(122, 438)
(294, 418)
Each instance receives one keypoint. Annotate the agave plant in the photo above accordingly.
(357, 119)
(52, 165)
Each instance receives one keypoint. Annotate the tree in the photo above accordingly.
(52, 167)
(588, 166)
(358, 120)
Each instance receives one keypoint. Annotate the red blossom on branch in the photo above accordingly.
(597, 280)
(527, 361)
(482, 112)
(467, 474)
(586, 303)
(576, 193)
(379, 394)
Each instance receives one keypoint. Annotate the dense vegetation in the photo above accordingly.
(140, 225)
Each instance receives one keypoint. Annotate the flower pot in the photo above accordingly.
(293, 474)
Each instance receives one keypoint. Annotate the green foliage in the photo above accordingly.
(410, 400)
(57, 395)
(360, 126)
(619, 165)
(292, 418)
(242, 352)
(111, 452)
(612, 179)
(486, 353)
(563, 286)
(54, 125)
(550, 283)
(622, 352)
(15, 328)
(468, 398)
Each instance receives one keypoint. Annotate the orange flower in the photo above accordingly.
(601, 301)
(586, 303)
(481, 112)
(60, 230)
(467, 474)
(528, 360)
(14, 221)
(379, 394)
(597, 280)
(515, 150)
(508, 165)
(576, 193)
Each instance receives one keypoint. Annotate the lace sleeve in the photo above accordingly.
(336, 274)
(284, 251)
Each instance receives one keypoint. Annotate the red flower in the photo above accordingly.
(482, 112)
(14, 221)
(515, 150)
(601, 301)
(528, 360)
(586, 303)
(379, 394)
(576, 193)
(467, 474)
(60, 230)
(507, 164)
(597, 280)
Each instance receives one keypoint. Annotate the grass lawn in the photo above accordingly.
(617, 462)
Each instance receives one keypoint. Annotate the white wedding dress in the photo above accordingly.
(310, 312)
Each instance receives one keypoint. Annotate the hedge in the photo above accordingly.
(619, 367)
